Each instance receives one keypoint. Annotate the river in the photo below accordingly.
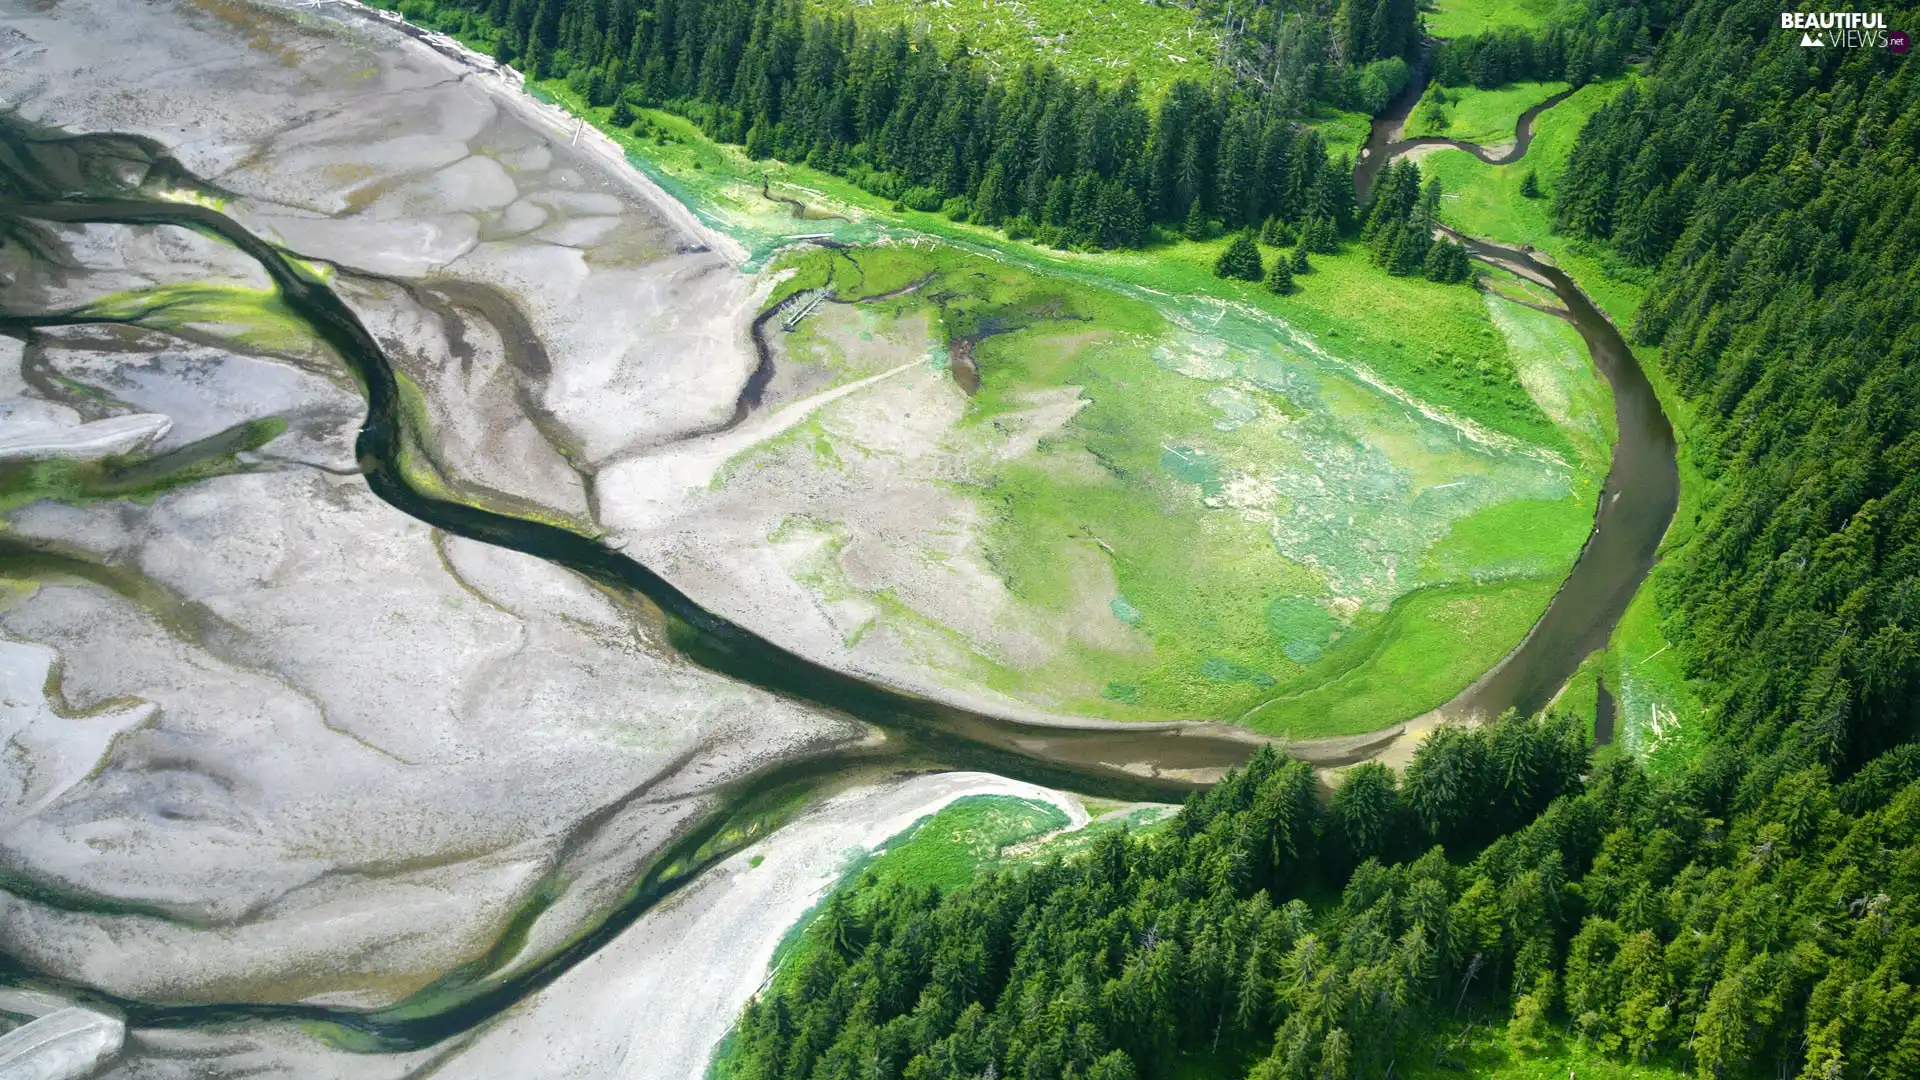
(1159, 762)
(1642, 488)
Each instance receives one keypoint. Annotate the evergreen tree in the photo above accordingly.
(1240, 260)
(925, 125)
(1298, 262)
(1461, 269)
(1195, 226)
(1530, 186)
(1319, 237)
(1447, 262)
(1279, 280)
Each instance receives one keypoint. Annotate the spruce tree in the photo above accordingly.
(759, 142)
(1279, 280)
(1196, 223)
(622, 115)
(1320, 238)
(1530, 187)
(1462, 268)
(1241, 260)
(1298, 263)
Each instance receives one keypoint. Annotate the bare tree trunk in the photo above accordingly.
(1473, 968)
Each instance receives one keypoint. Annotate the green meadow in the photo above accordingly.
(1107, 40)
(1287, 490)
(1486, 117)
(1289, 544)
(1659, 716)
(1458, 18)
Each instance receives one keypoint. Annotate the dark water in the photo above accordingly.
(1639, 497)
(45, 179)
(1637, 502)
(1383, 148)
(1605, 708)
(40, 182)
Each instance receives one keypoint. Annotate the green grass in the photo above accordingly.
(1430, 645)
(1458, 18)
(1522, 538)
(966, 837)
(1197, 584)
(1484, 1054)
(1486, 117)
(1214, 604)
(135, 479)
(1551, 361)
(1658, 711)
(1345, 132)
(1489, 204)
(1581, 696)
(1089, 39)
(1434, 341)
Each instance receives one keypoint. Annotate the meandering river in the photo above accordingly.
(1642, 488)
(1160, 762)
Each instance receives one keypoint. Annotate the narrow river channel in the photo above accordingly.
(1642, 488)
(83, 179)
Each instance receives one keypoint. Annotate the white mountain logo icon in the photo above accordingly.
(1809, 41)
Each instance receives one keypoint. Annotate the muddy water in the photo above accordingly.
(1106, 759)
(1383, 145)
(1642, 489)
(1160, 762)
(38, 182)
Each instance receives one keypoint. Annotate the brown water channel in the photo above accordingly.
(1642, 489)
(45, 179)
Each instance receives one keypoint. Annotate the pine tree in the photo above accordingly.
(1462, 269)
(1336, 184)
(622, 115)
(1240, 260)
(1115, 1065)
(1279, 280)
(1320, 238)
(759, 142)
(1335, 1055)
(1530, 187)
(1195, 227)
(1298, 263)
